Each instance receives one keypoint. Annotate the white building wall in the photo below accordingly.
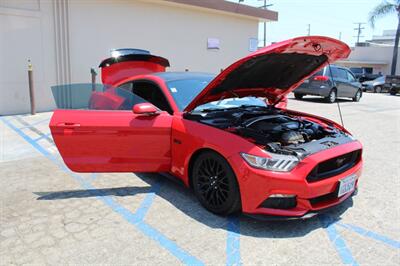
(179, 34)
(26, 32)
(377, 57)
(65, 38)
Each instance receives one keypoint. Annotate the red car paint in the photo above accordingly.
(315, 45)
(126, 141)
(113, 71)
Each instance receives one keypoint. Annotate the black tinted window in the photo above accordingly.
(95, 97)
(152, 94)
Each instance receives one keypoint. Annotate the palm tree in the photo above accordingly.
(383, 9)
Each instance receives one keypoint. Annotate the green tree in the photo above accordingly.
(383, 9)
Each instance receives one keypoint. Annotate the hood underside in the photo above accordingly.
(273, 71)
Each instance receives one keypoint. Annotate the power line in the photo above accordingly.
(359, 30)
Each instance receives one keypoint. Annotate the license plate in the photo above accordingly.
(306, 81)
(347, 185)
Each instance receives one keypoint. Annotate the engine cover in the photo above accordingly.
(292, 137)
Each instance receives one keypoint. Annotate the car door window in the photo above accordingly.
(152, 93)
(335, 72)
(350, 77)
(119, 98)
(342, 74)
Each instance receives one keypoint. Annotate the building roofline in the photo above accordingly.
(230, 7)
(359, 62)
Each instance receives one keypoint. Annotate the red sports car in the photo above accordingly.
(222, 136)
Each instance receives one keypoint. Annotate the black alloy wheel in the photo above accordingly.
(215, 184)
(298, 96)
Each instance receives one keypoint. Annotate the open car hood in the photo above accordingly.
(273, 71)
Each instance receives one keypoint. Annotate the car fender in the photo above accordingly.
(188, 137)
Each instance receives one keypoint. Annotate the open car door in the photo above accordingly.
(108, 136)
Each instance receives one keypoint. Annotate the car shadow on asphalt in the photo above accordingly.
(88, 193)
(185, 201)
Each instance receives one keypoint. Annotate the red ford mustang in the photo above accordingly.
(222, 136)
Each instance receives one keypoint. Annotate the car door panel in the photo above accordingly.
(353, 85)
(341, 82)
(112, 141)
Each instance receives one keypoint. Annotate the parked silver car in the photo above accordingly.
(377, 85)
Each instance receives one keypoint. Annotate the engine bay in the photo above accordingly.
(273, 129)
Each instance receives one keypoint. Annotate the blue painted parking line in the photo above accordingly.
(26, 137)
(370, 234)
(233, 225)
(134, 219)
(36, 123)
(42, 137)
(233, 242)
(148, 201)
(337, 240)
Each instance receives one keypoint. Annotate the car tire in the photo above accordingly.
(331, 96)
(215, 184)
(378, 89)
(357, 97)
(298, 96)
(392, 92)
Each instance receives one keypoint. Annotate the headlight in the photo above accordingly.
(278, 162)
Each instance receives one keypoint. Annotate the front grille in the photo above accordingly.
(324, 198)
(334, 166)
(280, 203)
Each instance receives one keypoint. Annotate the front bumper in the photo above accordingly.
(257, 185)
(308, 215)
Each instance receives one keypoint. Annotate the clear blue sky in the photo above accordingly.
(327, 17)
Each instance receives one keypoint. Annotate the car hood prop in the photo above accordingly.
(273, 71)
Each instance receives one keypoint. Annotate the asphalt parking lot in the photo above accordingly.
(50, 215)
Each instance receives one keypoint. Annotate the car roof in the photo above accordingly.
(337, 66)
(169, 76)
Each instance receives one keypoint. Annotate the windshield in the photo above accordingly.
(380, 79)
(185, 90)
(231, 103)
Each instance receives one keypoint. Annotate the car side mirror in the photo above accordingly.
(145, 109)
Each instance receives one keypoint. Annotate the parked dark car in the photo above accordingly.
(343, 84)
(364, 74)
(394, 83)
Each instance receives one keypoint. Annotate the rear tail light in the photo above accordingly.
(321, 78)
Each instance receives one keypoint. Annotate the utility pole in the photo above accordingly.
(308, 29)
(359, 30)
(340, 36)
(265, 6)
